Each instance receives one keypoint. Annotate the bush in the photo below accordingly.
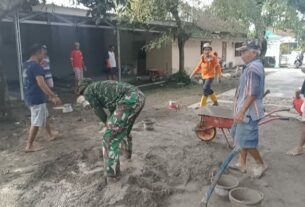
(181, 77)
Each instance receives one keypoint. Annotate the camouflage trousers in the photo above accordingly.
(119, 126)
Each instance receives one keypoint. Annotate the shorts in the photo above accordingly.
(112, 71)
(245, 135)
(39, 115)
(207, 86)
(79, 74)
(303, 112)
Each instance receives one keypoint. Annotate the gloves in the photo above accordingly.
(83, 102)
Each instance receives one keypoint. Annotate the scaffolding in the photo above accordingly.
(72, 17)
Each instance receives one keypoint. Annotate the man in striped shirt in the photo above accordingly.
(248, 107)
(45, 63)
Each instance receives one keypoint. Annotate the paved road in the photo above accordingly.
(281, 82)
(284, 82)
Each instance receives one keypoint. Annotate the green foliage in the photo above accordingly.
(103, 9)
(286, 48)
(177, 11)
(298, 4)
(281, 15)
(242, 12)
(164, 39)
(8, 5)
(181, 77)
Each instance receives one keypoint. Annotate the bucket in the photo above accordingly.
(173, 105)
(148, 124)
(224, 185)
(246, 197)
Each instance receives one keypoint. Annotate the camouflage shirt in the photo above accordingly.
(106, 95)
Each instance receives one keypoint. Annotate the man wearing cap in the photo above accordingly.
(209, 68)
(124, 102)
(77, 62)
(248, 107)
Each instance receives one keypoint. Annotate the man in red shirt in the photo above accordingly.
(298, 104)
(77, 62)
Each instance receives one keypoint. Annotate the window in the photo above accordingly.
(237, 45)
(202, 43)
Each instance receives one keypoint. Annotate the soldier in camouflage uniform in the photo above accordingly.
(124, 103)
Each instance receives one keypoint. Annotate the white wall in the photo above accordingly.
(231, 54)
(156, 58)
(160, 58)
(191, 55)
(273, 50)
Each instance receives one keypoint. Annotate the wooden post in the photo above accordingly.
(119, 52)
(19, 53)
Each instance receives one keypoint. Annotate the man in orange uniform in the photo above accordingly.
(209, 67)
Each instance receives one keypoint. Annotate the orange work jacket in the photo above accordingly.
(209, 68)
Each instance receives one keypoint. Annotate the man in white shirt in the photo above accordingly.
(111, 67)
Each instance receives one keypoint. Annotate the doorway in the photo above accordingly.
(140, 56)
(224, 51)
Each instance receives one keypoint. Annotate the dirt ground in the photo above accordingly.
(169, 166)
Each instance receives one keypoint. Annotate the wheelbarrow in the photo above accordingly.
(216, 117)
(213, 117)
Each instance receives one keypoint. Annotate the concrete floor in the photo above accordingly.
(284, 82)
(281, 82)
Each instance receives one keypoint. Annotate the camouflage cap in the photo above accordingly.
(83, 84)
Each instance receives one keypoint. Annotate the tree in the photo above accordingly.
(298, 4)
(7, 6)
(177, 11)
(246, 13)
(143, 12)
(262, 13)
(184, 29)
(103, 9)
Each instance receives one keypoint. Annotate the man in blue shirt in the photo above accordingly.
(248, 107)
(36, 91)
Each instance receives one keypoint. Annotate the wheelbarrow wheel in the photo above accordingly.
(205, 134)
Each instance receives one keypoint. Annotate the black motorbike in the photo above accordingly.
(299, 61)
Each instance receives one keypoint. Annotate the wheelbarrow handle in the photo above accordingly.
(265, 121)
(284, 118)
(275, 111)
